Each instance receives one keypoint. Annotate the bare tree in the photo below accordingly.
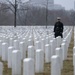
(15, 10)
(17, 15)
(34, 16)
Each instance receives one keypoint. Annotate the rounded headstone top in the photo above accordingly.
(15, 51)
(27, 59)
(4, 43)
(55, 56)
(10, 47)
(30, 46)
(57, 48)
(38, 50)
(47, 45)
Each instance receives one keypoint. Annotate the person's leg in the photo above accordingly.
(55, 35)
(61, 36)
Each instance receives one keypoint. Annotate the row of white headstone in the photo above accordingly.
(9, 51)
(36, 48)
(74, 52)
(61, 55)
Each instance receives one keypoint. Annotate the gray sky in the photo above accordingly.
(68, 4)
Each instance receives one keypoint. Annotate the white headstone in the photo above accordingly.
(64, 51)
(52, 47)
(59, 53)
(22, 49)
(7, 40)
(16, 62)
(37, 45)
(1, 68)
(74, 70)
(31, 52)
(66, 45)
(73, 56)
(73, 49)
(0, 48)
(55, 67)
(54, 44)
(30, 42)
(47, 53)
(39, 61)
(10, 49)
(43, 44)
(47, 40)
(25, 43)
(11, 42)
(28, 66)
(58, 41)
(4, 51)
(16, 44)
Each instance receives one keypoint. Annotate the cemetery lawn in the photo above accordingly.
(67, 66)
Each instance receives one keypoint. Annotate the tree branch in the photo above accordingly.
(11, 3)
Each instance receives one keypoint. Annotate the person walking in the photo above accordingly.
(58, 28)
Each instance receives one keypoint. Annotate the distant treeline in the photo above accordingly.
(35, 16)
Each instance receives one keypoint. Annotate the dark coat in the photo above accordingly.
(58, 29)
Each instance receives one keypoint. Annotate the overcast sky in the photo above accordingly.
(68, 4)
